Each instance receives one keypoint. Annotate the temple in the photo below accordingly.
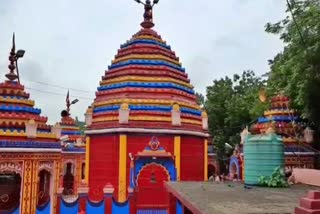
(73, 154)
(30, 150)
(144, 134)
(286, 123)
(144, 128)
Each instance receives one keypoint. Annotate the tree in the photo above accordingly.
(200, 99)
(81, 125)
(296, 70)
(231, 105)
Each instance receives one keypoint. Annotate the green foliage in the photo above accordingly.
(231, 105)
(296, 70)
(200, 99)
(81, 125)
(277, 179)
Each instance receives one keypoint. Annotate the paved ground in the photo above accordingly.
(220, 198)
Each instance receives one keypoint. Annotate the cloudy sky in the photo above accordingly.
(69, 43)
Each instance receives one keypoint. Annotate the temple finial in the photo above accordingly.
(148, 17)
(68, 102)
(12, 60)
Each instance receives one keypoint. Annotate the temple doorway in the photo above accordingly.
(44, 188)
(68, 179)
(10, 189)
(150, 191)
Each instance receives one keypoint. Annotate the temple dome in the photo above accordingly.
(147, 79)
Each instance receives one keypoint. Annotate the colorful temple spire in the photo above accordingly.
(147, 84)
(287, 123)
(20, 121)
(70, 127)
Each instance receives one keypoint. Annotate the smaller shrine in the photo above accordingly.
(30, 152)
(287, 123)
(73, 154)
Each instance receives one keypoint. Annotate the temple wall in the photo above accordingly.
(192, 158)
(104, 164)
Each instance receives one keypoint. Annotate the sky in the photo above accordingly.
(70, 43)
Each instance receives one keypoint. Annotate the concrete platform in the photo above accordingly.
(229, 198)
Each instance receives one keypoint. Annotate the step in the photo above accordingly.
(310, 203)
(313, 194)
(301, 210)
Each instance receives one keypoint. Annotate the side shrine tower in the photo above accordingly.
(144, 128)
(286, 123)
(72, 173)
(30, 151)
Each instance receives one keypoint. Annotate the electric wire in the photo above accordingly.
(59, 94)
(295, 22)
(59, 86)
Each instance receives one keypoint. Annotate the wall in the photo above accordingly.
(69, 208)
(179, 208)
(95, 208)
(192, 158)
(119, 208)
(104, 164)
(44, 210)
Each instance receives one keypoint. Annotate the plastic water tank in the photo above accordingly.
(262, 154)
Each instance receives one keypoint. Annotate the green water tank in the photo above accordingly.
(262, 154)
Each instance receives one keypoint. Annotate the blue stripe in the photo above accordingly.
(30, 144)
(73, 149)
(20, 109)
(190, 111)
(146, 62)
(145, 41)
(106, 108)
(71, 132)
(15, 97)
(277, 118)
(145, 85)
(147, 108)
(152, 211)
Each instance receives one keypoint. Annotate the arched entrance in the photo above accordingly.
(10, 187)
(150, 191)
(68, 179)
(44, 188)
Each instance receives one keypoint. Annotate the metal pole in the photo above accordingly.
(17, 70)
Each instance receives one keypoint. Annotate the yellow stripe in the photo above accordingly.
(154, 57)
(27, 187)
(146, 101)
(69, 128)
(146, 118)
(144, 79)
(177, 154)
(17, 101)
(205, 160)
(19, 121)
(122, 169)
(86, 176)
(148, 37)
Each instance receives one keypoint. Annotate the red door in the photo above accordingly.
(150, 191)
